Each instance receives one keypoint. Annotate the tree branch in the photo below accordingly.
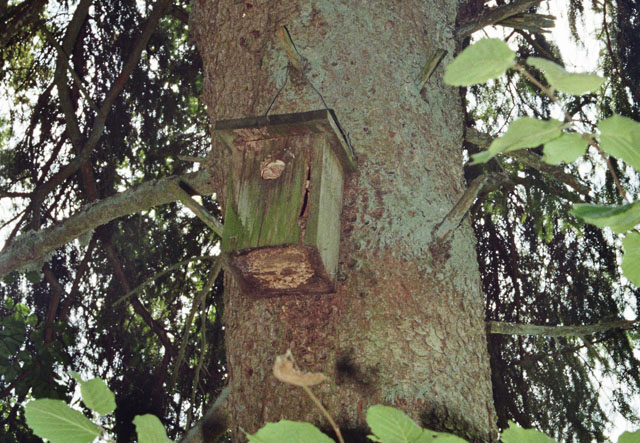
(492, 16)
(199, 210)
(137, 305)
(506, 328)
(54, 301)
(480, 184)
(64, 59)
(34, 245)
(531, 22)
(180, 13)
(84, 150)
(196, 302)
(213, 424)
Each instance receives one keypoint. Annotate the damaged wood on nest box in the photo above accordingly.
(284, 199)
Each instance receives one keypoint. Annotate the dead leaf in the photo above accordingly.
(284, 371)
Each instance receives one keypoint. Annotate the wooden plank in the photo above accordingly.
(279, 270)
(242, 133)
(264, 212)
(325, 205)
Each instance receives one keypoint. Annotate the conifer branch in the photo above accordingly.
(506, 328)
(494, 16)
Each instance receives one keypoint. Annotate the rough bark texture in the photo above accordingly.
(405, 326)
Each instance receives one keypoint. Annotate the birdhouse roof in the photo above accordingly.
(239, 133)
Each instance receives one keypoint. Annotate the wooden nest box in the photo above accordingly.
(284, 199)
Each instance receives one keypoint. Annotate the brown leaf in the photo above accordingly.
(284, 371)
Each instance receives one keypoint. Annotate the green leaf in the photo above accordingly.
(631, 259)
(8, 303)
(54, 420)
(516, 434)
(620, 137)
(567, 148)
(97, 396)
(526, 132)
(484, 60)
(391, 425)
(76, 376)
(286, 430)
(629, 437)
(563, 81)
(481, 157)
(619, 218)
(149, 429)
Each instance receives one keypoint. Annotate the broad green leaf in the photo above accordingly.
(516, 434)
(149, 429)
(76, 376)
(620, 137)
(563, 81)
(481, 157)
(629, 437)
(286, 430)
(619, 218)
(567, 148)
(96, 395)
(488, 58)
(391, 425)
(526, 132)
(54, 420)
(631, 262)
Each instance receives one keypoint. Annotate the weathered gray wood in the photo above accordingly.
(239, 133)
(284, 200)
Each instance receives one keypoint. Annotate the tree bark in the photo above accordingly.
(405, 325)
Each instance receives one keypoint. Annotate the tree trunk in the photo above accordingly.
(405, 326)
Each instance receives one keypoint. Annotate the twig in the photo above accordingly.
(192, 159)
(203, 348)
(430, 66)
(333, 424)
(64, 57)
(548, 92)
(493, 16)
(290, 48)
(160, 274)
(187, 325)
(199, 210)
(450, 222)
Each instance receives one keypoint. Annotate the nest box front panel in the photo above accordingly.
(284, 199)
(267, 189)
